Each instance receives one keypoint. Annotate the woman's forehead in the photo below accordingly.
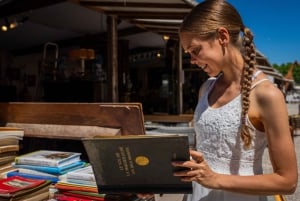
(187, 40)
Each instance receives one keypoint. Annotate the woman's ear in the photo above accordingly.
(223, 36)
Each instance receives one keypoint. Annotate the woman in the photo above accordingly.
(239, 112)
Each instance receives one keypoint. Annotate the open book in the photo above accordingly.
(138, 163)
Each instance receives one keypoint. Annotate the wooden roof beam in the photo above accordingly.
(135, 4)
(147, 15)
(17, 7)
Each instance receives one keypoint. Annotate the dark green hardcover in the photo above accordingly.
(138, 163)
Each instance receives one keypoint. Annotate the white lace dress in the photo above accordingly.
(218, 138)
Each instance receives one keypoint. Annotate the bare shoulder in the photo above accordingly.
(266, 92)
(268, 105)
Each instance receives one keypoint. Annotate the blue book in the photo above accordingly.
(50, 158)
(53, 170)
(32, 176)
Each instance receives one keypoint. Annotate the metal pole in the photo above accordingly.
(180, 79)
(112, 52)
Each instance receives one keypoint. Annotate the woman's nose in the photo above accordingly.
(193, 60)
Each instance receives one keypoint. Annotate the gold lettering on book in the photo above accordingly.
(131, 165)
(119, 161)
(124, 160)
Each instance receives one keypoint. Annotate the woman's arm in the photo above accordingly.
(270, 104)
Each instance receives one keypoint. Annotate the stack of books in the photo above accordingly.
(23, 189)
(84, 175)
(82, 195)
(9, 147)
(78, 184)
(46, 164)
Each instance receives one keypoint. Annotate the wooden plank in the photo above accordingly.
(72, 132)
(127, 117)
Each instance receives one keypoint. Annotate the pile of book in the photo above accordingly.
(9, 147)
(46, 164)
(78, 184)
(23, 189)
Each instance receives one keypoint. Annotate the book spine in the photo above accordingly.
(9, 185)
(86, 195)
(9, 148)
(75, 188)
(32, 176)
(69, 198)
(35, 172)
(52, 170)
(79, 181)
(78, 176)
(27, 161)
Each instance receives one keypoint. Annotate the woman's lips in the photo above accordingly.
(203, 67)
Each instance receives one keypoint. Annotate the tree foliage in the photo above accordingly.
(284, 68)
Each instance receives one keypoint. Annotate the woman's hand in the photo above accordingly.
(197, 170)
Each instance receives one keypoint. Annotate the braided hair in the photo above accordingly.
(203, 21)
(249, 57)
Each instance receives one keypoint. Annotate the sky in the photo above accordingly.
(275, 25)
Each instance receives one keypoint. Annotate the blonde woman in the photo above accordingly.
(239, 113)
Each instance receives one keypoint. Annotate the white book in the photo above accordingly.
(50, 158)
(11, 132)
(80, 181)
(35, 172)
(85, 173)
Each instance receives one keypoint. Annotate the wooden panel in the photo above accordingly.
(127, 117)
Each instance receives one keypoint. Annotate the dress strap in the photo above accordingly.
(260, 81)
(256, 74)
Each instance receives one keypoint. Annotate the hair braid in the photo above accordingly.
(249, 57)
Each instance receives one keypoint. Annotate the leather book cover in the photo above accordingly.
(138, 163)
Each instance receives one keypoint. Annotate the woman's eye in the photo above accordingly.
(195, 51)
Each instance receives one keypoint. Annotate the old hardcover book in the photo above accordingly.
(11, 132)
(37, 193)
(32, 176)
(72, 198)
(5, 168)
(85, 195)
(138, 163)
(79, 195)
(79, 181)
(84, 173)
(6, 159)
(9, 153)
(52, 170)
(9, 148)
(40, 195)
(69, 186)
(9, 141)
(17, 186)
(48, 158)
(35, 172)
